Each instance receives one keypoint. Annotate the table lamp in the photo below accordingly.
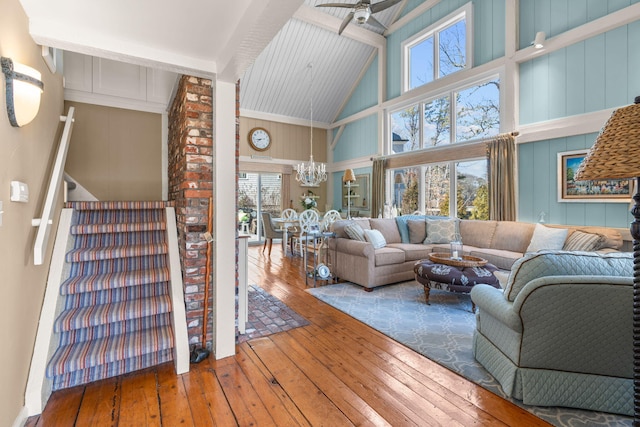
(616, 155)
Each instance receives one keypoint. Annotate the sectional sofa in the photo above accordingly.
(410, 238)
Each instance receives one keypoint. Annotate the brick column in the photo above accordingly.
(190, 186)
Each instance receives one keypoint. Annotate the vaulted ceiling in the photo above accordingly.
(267, 44)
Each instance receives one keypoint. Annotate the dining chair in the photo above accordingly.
(329, 218)
(300, 236)
(269, 231)
(289, 214)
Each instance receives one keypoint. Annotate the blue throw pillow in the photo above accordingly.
(403, 228)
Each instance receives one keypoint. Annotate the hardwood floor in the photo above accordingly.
(334, 372)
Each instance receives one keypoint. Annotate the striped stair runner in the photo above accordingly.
(116, 306)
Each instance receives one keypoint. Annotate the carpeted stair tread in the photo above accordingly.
(117, 227)
(116, 295)
(122, 239)
(115, 328)
(119, 205)
(85, 317)
(110, 252)
(88, 354)
(115, 265)
(111, 369)
(97, 282)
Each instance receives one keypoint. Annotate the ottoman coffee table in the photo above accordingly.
(442, 272)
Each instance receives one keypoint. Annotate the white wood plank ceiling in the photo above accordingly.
(278, 83)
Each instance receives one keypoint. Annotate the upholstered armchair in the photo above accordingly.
(561, 332)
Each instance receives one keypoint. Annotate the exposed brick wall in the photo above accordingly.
(190, 186)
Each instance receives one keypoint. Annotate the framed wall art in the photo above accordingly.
(570, 190)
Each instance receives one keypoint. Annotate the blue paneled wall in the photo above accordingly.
(598, 73)
(360, 138)
(557, 16)
(366, 94)
(538, 187)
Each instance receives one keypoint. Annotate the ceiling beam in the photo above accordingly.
(320, 19)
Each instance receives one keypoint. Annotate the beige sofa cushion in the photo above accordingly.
(512, 236)
(477, 233)
(388, 228)
(417, 230)
(498, 257)
(413, 252)
(389, 256)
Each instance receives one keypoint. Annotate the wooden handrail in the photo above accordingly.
(44, 223)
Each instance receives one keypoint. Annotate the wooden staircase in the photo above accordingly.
(115, 306)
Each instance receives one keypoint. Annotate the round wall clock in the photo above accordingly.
(259, 139)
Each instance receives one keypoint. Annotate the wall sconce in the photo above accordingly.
(538, 42)
(23, 88)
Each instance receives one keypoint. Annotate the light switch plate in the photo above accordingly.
(19, 192)
(1, 212)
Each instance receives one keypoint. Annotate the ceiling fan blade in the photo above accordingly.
(375, 22)
(378, 7)
(345, 5)
(346, 21)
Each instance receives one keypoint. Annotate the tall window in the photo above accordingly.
(438, 51)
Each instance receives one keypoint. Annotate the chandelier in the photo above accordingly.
(311, 174)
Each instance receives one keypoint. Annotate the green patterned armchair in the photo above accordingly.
(561, 332)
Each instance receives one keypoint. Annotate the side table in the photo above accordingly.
(316, 267)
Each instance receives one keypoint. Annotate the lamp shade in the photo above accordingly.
(348, 176)
(26, 96)
(616, 152)
(23, 89)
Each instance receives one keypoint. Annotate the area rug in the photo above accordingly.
(443, 332)
(268, 315)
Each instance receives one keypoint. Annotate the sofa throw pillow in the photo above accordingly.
(355, 232)
(375, 238)
(441, 230)
(547, 238)
(417, 230)
(580, 241)
(403, 226)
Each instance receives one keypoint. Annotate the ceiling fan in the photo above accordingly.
(362, 12)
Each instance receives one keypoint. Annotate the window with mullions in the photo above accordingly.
(435, 184)
(440, 50)
(460, 115)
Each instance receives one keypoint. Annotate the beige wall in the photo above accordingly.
(116, 153)
(290, 145)
(25, 156)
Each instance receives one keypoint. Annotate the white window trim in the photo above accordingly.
(465, 12)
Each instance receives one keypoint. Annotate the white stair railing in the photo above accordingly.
(44, 223)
